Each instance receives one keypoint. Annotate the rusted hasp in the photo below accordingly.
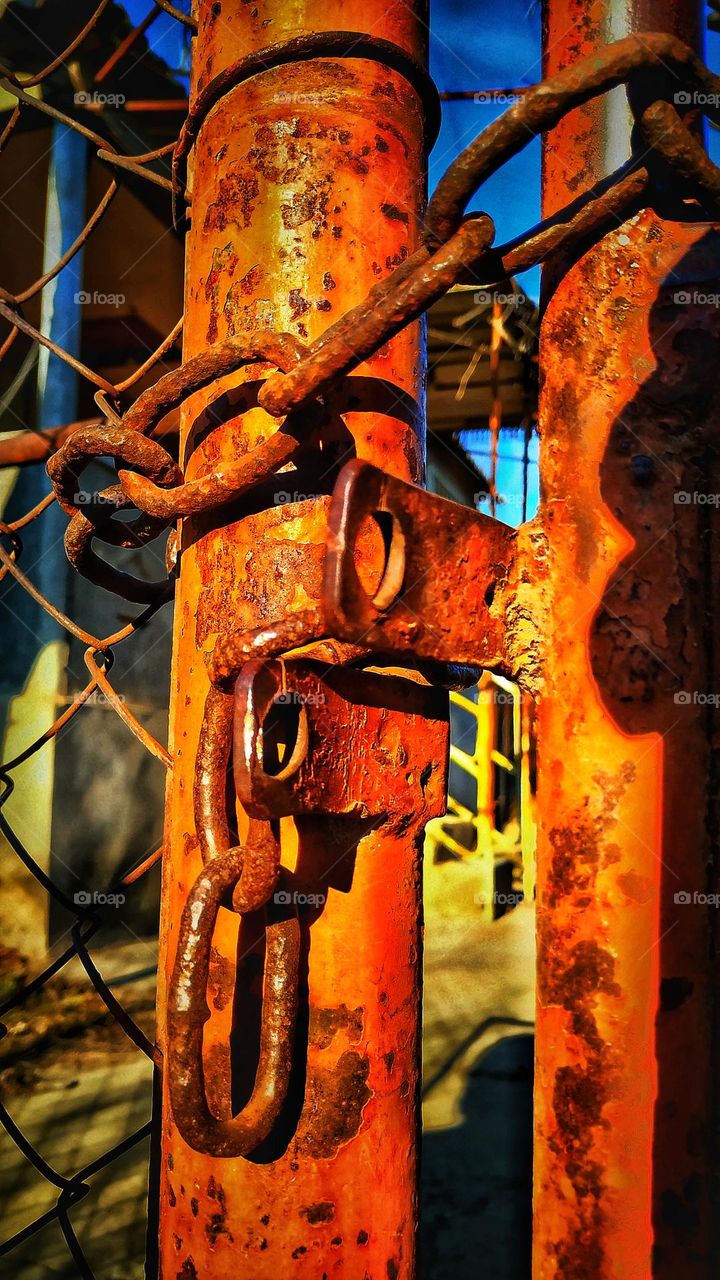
(437, 554)
(188, 1012)
(292, 718)
(295, 718)
(241, 878)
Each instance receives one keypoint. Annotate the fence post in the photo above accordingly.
(626, 1085)
(308, 183)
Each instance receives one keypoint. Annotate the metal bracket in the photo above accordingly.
(297, 725)
(448, 572)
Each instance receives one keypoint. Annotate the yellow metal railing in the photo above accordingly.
(488, 843)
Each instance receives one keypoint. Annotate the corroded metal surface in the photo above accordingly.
(188, 1011)
(626, 1077)
(92, 514)
(303, 48)
(333, 707)
(544, 106)
(433, 550)
(301, 157)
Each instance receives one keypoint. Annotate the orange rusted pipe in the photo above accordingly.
(308, 185)
(626, 1086)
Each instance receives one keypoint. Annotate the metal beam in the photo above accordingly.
(626, 1083)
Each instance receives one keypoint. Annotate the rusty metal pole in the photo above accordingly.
(626, 1091)
(308, 182)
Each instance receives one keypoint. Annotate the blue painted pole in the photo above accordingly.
(61, 314)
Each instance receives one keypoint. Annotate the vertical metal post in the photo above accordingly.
(61, 299)
(626, 1086)
(37, 669)
(308, 185)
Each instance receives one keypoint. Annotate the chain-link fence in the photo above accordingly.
(84, 78)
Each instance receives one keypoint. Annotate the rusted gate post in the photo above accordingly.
(627, 1087)
(308, 186)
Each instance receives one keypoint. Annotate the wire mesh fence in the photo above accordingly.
(107, 39)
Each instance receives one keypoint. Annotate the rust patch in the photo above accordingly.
(335, 1100)
(577, 847)
(234, 204)
(224, 262)
(323, 1211)
(276, 155)
(221, 980)
(572, 975)
(386, 90)
(250, 281)
(298, 304)
(395, 259)
(326, 1023)
(635, 886)
(308, 205)
(247, 317)
(215, 1225)
(392, 212)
